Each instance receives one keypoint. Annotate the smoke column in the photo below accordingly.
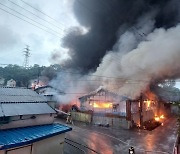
(105, 21)
(156, 58)
(136, 42)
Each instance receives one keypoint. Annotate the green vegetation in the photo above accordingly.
(23, 76)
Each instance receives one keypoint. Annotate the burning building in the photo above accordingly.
(129, 52)
(103, 101)
(110, 108)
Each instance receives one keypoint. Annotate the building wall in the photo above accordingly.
(147, 115)
(2, 151)
(20, 150)
(104, 97)
(39, 120)
(52, 145)
(11, 83)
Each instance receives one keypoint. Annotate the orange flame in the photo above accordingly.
(162, 117)
(159, 118)
(148, 102)
(102, 105)
(156, 118)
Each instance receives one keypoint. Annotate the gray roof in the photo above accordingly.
(10, 95)
(1, 111)
(14, 109)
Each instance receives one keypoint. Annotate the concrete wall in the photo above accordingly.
(115, 122)
(52, 145)
(39, 120)
(83, 117)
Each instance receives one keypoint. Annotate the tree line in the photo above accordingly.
(23, 76)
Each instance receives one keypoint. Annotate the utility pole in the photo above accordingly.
(26, 57)
(140, 110)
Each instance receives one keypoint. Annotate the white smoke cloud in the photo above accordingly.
(73, 85)
(139, 57)
(155, 58)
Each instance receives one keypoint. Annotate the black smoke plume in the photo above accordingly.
(106, 20)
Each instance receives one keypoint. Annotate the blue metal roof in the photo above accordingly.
(22, 136)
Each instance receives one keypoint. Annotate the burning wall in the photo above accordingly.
(104, 101)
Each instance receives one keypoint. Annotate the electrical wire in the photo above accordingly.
(75, 146)
(82, 145)
(42, 12)
(29, 22)
(29, 18)
(36, 15)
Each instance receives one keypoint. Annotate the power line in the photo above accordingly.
(41, 12)
(36, 15)
(28, 17)
(41, 18)
(30, 23)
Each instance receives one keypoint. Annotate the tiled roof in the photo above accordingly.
(10, 95)
(14, 109)
(23, 136)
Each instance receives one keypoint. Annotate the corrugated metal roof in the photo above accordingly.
(13, 109)
(22, 136)
(16, 99)
(8, 95)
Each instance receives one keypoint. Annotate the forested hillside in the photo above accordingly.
(23, 76)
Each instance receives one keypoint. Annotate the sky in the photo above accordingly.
(16, 33)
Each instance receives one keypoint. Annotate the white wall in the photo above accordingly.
(40, 120)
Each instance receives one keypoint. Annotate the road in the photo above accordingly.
(117, 141)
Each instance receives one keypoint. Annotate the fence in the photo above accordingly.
(83, 117)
